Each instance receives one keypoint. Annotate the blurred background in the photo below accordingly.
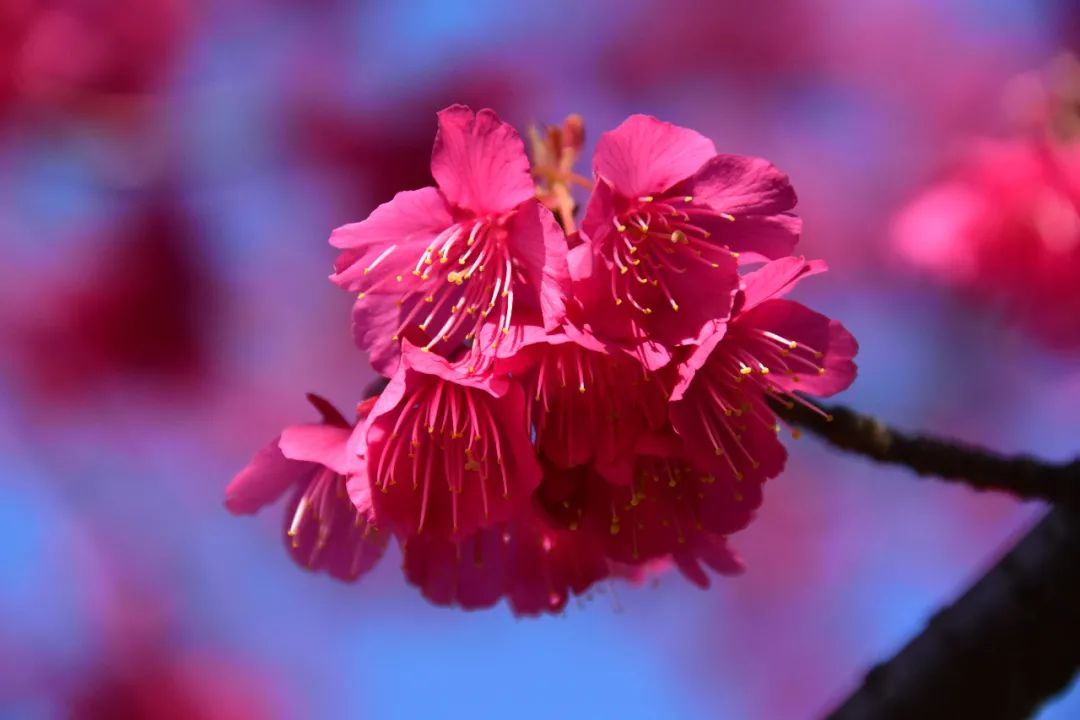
(169, 173)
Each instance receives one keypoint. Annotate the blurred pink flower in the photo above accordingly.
(448, 454)
(742, 42)
(87, 58)
(1005, 227)
(373, 154)
(141, 669)
(434, 264)
(329, 521)
(663, 230)
(137, 308)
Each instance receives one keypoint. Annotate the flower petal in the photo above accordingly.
(264, 480)
(644, 156)
(819, 334)
(479, 161)
(328, 533)
(326, 445)
(389, 241)
(776, 279)
(538, 245)
(738, 184)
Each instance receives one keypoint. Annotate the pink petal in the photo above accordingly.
(644, 156)
(318, 443)
(470, 574)
(539, 246)
(714, 552)
(264, 480)
(336, 540)
(429, 363)
(359, 488)
(595, 225)
(375, 322)
(407, 223)
(758, 238)
(776, 279)
(812, 330)
(479, 162)
(742, 185)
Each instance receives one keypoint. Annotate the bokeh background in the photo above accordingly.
(169, 174)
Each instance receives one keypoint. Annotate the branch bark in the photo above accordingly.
(1024, 476)
(1005, 646)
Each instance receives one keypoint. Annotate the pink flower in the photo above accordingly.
(583, 400)
(663, 229)
(770, 348)
(448, 454)
(1005, 227)
(437, 264)
(329, 520)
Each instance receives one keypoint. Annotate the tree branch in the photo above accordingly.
(1009, 643)
(1024, 476)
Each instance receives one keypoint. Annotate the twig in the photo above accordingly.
(1024, 476)
(1009, 643)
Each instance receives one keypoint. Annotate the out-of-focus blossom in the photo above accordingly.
(135, 305)
(329, 520)
(371, 154)
(142, 670)
(433, 265)
(1005, 227)
(664, 230)
(95, 59)
(754, 43)
(167, 684)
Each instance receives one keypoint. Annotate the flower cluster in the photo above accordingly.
(562, 406)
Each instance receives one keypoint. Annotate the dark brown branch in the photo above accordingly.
(1009, 643)
(1021, 475)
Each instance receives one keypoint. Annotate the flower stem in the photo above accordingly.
(1023, 476)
